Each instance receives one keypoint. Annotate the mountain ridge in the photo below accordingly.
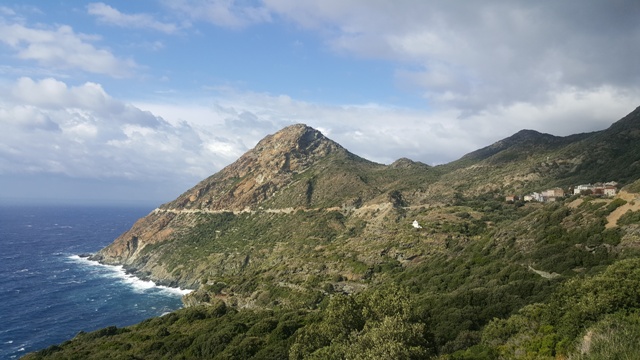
(298, 168)
(337, 253)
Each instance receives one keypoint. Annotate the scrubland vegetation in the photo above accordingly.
(487, 280)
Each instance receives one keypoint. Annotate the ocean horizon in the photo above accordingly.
(49, 292)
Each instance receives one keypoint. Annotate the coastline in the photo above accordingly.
(129, 277)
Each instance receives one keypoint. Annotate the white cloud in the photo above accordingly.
(81, 131)
(487, 70)
(7, 11)
(51, 92)
(28, 118)
(485, 54)
(63, 48)
(110, 15)
(384, 133)
(225, 13)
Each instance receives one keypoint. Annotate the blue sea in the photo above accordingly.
(48, 293)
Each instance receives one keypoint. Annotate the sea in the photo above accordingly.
(49, 292)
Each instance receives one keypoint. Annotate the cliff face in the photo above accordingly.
(151, 229)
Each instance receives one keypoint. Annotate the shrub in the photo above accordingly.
(628, 218)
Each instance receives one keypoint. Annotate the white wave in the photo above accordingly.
(174, 290)
(138, 285)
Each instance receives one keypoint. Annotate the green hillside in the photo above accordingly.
(303, 250)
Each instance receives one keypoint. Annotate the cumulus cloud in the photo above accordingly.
(63, 48)
(485, 69)
(483, 54)
(110, 15)
(478, 60)
(385, 133)
(28, 118)
(81, 131)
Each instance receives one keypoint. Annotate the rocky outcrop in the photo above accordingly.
(261, 172)
(151, 229)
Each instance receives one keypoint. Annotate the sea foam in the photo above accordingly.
(118, 272)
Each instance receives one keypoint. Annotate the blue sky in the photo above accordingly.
(136, 101)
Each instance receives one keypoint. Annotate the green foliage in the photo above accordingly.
(554, 328)
(614, 337)
(470, 284)
(375, 324)
(192, 333)
(396, 199)
(616, 203)
(628, 218)
(633, 187)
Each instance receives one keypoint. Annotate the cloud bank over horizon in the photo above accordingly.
(164, 94)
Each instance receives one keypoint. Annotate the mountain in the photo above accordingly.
(276, 164)
(531, 161)
(298, 176)
(294, 176)
(301, 249)
(613, 153)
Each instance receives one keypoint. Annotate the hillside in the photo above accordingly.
(530, 161)
(295, 188)
(304, 250)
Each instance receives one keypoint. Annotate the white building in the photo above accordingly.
(580, 188)
(610, 191)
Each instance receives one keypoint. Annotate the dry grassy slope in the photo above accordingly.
(633, 204)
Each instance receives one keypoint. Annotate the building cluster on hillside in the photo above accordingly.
(598, 189)
(602, 189)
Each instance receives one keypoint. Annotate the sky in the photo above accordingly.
(129, 102)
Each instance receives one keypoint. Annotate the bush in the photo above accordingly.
(614, 205)
(628, 218)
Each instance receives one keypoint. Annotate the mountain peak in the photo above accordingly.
(404, 163)
(294, 142)
(291, 149)
(522, 141)
(526, 133)
(262, 171)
